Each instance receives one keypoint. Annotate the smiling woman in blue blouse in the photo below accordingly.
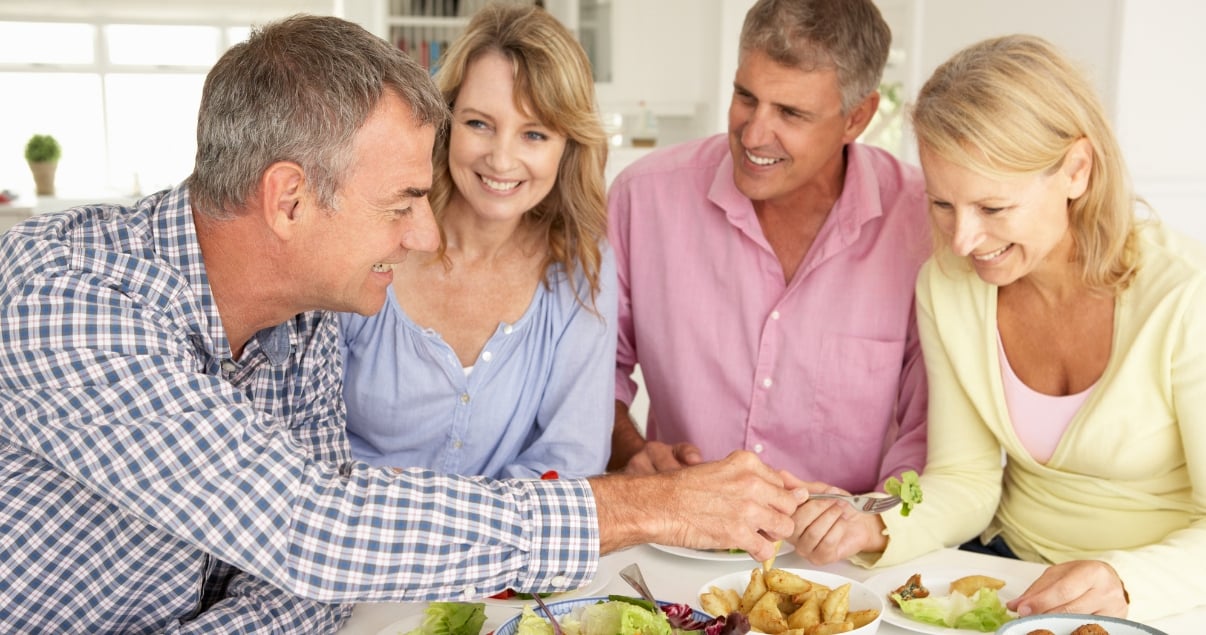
(496, 355)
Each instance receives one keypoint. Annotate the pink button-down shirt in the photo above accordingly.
(822, 376)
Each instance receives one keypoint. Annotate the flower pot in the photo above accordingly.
(43, 173)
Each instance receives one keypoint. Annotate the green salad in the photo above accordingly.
(452, 618)
(983, 611)
(604, 618)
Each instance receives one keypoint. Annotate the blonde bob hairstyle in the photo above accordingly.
(554, 84)
(1013, 106)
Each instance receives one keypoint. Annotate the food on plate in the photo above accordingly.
(908, 488)
(452, 618)
(910, 590)
(969, 584)
(981, 611)
(622, 615)
(1040, 631)
(1092, 628)
(779, 601)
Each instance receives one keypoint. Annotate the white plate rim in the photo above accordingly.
(588, 589)
(719, 556)
(1026, 624)
(884, 583)
(816, 575)
(406, 624)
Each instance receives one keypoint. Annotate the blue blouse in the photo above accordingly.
(540, 396)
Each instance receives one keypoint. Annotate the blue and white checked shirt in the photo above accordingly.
(149, 483)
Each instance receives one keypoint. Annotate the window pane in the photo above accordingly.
(236, 34)
(152, 128)
(153, 45)
(47, 43)
(65, 106)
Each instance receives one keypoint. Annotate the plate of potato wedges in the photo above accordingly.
(794, 602)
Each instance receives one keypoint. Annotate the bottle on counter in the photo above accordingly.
(644, 133)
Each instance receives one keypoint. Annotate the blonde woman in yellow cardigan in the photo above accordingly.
(1061, 330)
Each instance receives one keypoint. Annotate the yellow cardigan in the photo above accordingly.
(1127, 482)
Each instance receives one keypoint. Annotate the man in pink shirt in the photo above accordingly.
(766, 276)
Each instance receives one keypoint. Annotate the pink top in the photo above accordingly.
(814, 376)
(1039, 420)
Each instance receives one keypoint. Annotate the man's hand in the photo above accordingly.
(631, 453)
(1078, 586)
(738, 502)
(656, 456)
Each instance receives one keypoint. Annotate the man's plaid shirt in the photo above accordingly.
(150, 483)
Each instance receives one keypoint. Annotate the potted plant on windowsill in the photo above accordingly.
(43, 152)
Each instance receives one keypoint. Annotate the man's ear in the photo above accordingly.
(860, 117)
(282, 196)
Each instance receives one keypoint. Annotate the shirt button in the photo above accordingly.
(507, 329)
(464, 397)
(758, 448)
(487, 356)
(470, 591)
(774, 315)
(228, 366)
(768, 382)
(457, 444)
(558, 581)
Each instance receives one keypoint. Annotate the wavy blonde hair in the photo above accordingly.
(553, 83)
(1013, 106)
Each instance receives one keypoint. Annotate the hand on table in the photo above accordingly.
(1078, 586)
(656, 456)
(828, 530)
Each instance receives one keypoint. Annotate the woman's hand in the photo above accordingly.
(830, 530)
(1079, 586)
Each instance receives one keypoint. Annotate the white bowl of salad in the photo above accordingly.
(612, 615)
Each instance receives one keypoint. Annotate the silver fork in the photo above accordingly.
(549, 614)
(864, 503)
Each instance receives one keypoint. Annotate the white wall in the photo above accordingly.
(1161, 108)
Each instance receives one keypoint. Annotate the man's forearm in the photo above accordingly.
(624, 520)
(626, 440)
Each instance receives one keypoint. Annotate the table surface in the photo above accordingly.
(677, 579)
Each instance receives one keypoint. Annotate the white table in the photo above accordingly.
(677, 579)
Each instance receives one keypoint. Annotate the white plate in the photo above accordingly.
(716, 554)
(564, 607)
(861, 597)
(404, 625)
(938, 581)
(1065, 623)
(591, 588)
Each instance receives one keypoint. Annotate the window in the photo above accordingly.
(118, 84)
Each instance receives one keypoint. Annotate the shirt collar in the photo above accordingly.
(176, 241)
(859, 202)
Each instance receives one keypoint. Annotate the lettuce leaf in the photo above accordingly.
(452, 618)
(907, 487)
(983, 612)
